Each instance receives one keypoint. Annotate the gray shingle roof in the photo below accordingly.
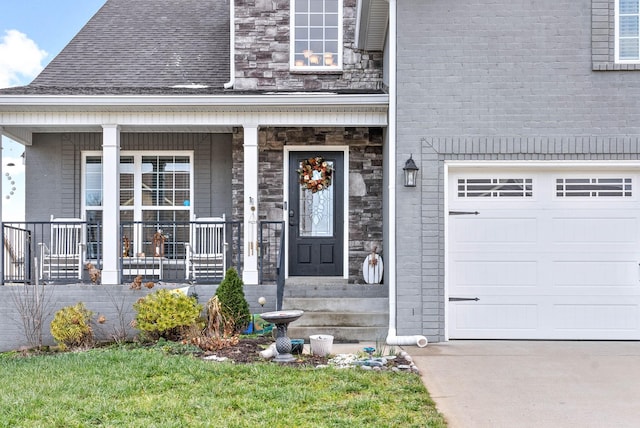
(140, 46)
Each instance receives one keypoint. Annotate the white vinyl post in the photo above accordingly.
(110, 204)
(1, 219)
(250, 271)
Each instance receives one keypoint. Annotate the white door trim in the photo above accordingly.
(285, 199)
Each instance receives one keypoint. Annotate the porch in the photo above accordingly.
(331, 305)
(118, 169)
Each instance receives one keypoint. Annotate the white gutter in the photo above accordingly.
(392, 338)
(9, 102)
(232, 46)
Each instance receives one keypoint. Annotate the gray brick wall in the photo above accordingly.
(114, 302)
(502, 80)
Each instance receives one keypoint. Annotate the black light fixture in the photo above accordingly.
(410, 172)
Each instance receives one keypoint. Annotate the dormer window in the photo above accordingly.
(316, 39)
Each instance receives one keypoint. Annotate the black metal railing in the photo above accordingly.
(196, 252)
(280, 271)
(269, 234)
(16, 256)
(57, 251)
(51, 251)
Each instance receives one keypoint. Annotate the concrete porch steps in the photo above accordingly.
(348, 312)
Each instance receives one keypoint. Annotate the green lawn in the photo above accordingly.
(145, 387)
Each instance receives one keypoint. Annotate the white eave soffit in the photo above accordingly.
(21, 116)
(373, 19)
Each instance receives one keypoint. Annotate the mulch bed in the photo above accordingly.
(248, 351)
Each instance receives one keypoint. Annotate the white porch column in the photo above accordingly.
(250, 272)
(1, 219)
(1, 176)
(110, 204)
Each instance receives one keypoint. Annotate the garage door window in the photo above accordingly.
(594, 187)
(495, 187)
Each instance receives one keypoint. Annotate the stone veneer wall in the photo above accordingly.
(365, 181)
(262, 52)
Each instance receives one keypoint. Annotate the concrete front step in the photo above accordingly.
(343, 304)
(340, 334)
(342, 319)
(310, 281)
(348, 312)
(335, 291)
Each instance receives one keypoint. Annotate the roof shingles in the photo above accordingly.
(140, 46)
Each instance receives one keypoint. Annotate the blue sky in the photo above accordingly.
(32, 33)
(51, 24)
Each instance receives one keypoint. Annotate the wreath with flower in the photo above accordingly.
(315, 174)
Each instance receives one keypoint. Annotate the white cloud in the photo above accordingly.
(20, 59)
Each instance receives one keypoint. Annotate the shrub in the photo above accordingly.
(33, 303)
(233, 305)
(71, 326)
(167, 314)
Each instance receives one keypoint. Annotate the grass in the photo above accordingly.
(146, 387)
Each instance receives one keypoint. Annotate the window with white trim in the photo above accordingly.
(316, 34)
(627, 31)
(155, 192)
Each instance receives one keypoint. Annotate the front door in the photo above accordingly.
(316, 218)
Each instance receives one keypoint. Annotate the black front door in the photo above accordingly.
(316, 219)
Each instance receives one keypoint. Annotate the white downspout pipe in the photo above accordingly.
(392, 338)
(232, 45)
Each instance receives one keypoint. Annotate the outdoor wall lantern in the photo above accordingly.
(410, 172)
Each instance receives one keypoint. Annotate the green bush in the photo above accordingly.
(233, 305)
(167, 314)
(71, 326)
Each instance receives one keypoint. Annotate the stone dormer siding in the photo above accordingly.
(262, 53)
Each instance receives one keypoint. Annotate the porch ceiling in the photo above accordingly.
(21, 116)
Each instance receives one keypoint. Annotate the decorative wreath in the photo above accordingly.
(315, 174)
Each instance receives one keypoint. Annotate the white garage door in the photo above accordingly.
(550, 254)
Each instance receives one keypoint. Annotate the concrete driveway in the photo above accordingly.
(533, 384)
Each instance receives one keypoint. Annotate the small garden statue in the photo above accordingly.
(126, 246)
(158, 244)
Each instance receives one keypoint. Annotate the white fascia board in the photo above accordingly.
(55, 113)
(211, 101)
